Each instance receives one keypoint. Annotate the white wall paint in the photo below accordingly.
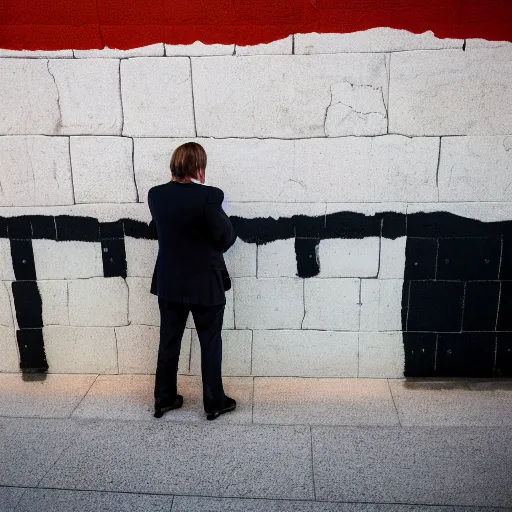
(380, 120)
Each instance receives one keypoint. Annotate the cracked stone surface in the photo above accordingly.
(355, 110)
(29, 100)
(35, 170)
(291, 96)
(88, 96)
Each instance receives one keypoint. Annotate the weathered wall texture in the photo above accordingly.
(389, 128)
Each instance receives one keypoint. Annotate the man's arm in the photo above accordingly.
(219, 226)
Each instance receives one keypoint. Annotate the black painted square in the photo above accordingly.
(306, 252)
(308, 227)
(393, 225)
(351, 225)
(22, 256)
(481, 306)
(420, 354)
(505, 308)
(420, 258)
(43, 226)
(20, 228)
(469, 258)
(111, 230)
(469, 354)
(31, 347)
(82, 229)
(28, 304)
(113, 254)
(435, 306)
(504, 355)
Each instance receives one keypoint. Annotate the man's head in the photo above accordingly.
(188, 162)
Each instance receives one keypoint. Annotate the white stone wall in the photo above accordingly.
(381, 120)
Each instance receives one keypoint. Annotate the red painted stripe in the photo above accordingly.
(124, 24)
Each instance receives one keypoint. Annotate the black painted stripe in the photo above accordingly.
(448, 259)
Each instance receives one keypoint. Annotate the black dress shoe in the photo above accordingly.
(159, 411)
(229, 405)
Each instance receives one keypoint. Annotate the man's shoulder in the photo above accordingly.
(215, 195)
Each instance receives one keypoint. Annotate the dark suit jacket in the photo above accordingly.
(193, 233)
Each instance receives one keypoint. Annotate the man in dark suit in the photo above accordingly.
(190, 276)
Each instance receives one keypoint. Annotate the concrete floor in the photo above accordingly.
(88, 443)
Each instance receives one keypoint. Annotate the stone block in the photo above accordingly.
(388, 168)
(331, 304)
(236, 353)
(304, 353)
(241, 259)
(392, 258)
(35, 171)
(279, 47)
(279, 96)
(142, 305)
(347, 257)
(140, 256)
(475, 169)
(54, 297)
(381, 305)
(6, 270)
(99, 301)
(356, 110)
(277, 259)
(152, 50)
(80, 349)
(29, 101)
(451, 92)
(103, 170)
(157, 97)
(268, 303)
(89, 99)
(137, 347)
(198, 49)
(381, 355)
(9, 362)
(6, 313)
(67, 260)
(381, 39)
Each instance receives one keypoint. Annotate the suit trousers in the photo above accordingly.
(208, 322)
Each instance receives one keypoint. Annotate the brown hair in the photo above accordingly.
(187, 159)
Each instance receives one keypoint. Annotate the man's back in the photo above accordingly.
(193, 233)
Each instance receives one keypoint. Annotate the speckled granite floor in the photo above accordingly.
(88, 443)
